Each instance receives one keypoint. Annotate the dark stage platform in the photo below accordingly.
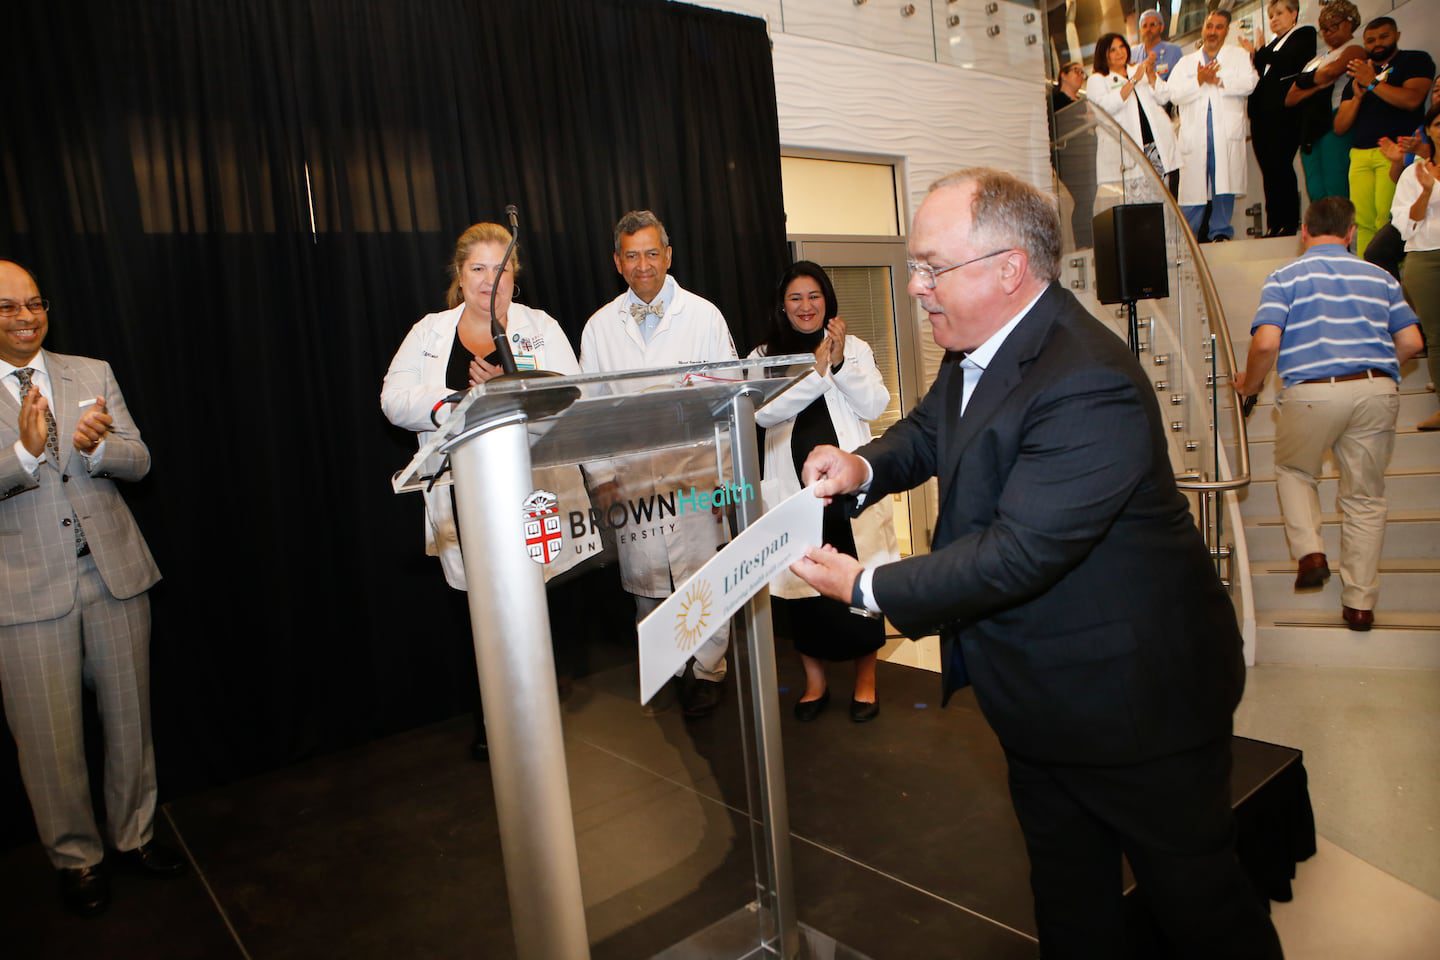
(904, 841)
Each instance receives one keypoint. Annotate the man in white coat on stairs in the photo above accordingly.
(657, 323)
(1210, 86)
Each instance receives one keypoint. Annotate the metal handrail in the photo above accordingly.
(1214, 312)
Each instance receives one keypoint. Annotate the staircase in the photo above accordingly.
(1305, 628)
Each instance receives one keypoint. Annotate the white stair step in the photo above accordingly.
(1415, 450)
(1414, 407)
(1404, 491)
(1410, 585)
(1408, 534)
(1399, 640)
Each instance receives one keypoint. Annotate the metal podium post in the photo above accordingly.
(769, 756)
(511, 627)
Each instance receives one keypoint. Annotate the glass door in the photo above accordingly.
(869, 277)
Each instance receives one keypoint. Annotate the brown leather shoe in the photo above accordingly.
(1312, 572)
(1361, 620)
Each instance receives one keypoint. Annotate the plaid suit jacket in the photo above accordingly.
(38, 566)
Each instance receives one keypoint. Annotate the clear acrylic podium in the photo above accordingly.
(493, 439)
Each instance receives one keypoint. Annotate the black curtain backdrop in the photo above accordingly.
(162, 163)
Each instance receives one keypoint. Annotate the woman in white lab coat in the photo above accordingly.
(833, 404)
(452, 350)
(1135, 96)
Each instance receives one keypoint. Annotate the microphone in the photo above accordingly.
(497, 332)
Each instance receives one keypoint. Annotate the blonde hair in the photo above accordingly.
(476, 234)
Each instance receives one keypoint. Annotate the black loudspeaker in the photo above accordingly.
(1130, 253)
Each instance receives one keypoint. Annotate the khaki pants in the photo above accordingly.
(1355, 419)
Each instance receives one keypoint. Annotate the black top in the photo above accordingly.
(1278, 69)
(1375, 118)
(457, 371)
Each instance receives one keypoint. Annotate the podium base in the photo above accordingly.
(734, 938)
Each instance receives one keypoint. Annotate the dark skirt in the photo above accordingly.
(826, 629)
(822, 628)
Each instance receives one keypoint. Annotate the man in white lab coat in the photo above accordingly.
(1210, 86)
(657, 323)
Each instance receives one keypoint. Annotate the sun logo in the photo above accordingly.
(693, 617)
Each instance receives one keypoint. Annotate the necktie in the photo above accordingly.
(26, 376)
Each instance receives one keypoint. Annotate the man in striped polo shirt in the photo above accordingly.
(1340, 328)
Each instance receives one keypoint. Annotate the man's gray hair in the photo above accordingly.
(1008, 212)
(637, 220)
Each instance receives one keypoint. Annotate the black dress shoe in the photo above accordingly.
(807, 710)
(698, 698)
(85, 890)
(862, 712)
(153, 857)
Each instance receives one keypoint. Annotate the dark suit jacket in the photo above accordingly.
(1267, 100)
(1065, 563)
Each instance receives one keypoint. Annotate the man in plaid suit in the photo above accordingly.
(74, 571)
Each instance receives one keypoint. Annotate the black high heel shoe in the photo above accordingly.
(807, 710)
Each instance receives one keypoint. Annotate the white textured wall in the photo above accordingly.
(933, 117)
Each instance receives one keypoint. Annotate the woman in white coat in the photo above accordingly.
(451, 351)
(833, 404)
(1135, 96)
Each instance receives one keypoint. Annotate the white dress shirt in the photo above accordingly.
(1419, 235)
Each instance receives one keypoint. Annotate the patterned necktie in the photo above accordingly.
(26, 376)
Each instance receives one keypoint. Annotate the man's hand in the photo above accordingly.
(836, 471)
(1208, 73)
(605, 495)
(1391, 150)
(32, 422)
(1363, 72)
(1149, 66)
(829, 571)
(93, 426)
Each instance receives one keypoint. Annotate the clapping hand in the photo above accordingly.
(1149, 66)
(1363, 72)
(92, 427)
(1390, 150)
(1208, 73)
(1426, 172)
(33, 431)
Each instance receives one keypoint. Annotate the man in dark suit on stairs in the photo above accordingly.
(1067, 581)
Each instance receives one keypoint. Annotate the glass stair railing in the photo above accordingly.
(1181, 340)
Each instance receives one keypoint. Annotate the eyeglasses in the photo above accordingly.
(928, 275)
(10, 309)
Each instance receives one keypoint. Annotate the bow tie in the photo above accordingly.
(638, 311)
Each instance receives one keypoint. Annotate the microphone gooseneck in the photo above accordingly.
(497, 332)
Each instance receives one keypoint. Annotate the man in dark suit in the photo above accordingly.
(74, 607)
(1067, 580)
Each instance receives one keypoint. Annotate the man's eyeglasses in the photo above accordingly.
(928, 275)
(10, 309)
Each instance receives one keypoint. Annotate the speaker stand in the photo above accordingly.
(1134, 316)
